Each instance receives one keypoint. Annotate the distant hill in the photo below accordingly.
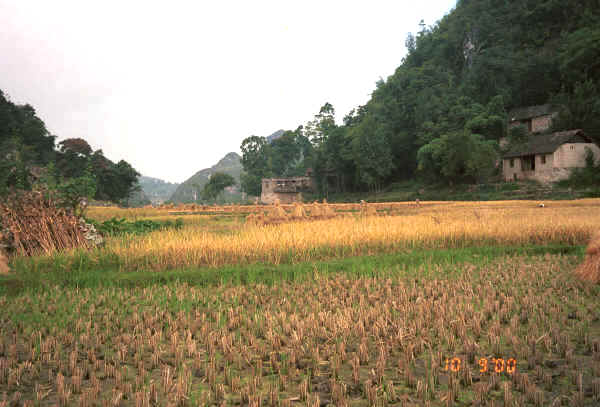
(275, 135)
(156, 189)
(136, 199)
(230, 164)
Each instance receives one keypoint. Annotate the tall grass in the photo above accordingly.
(440, 226)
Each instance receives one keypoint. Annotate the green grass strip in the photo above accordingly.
(417, 263)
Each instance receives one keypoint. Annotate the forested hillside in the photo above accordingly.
(439, 117)
(29, 155)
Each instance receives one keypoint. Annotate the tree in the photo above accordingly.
(24, 143)
(73, 157)
(285, 153)
(579, 55)
(14, 171)
(318, 129)
(70, 192)
(256, 164)
(582, 109)
(127, 181)
(216, 184)
(371, 153)
(457, 157)
(115, 182)
(20, 122)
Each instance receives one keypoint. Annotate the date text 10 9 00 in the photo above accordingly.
(497, 365)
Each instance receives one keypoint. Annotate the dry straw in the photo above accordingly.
(298, 212)
(276, 213)
(36, 225)
(589, 270)
(4, 269)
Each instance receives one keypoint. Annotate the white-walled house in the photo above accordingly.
(548, 157)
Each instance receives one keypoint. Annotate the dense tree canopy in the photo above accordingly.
(216, 184)
(441, 114)
(71, 167)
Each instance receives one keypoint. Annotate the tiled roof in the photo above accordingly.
(547, 143)
(529, 112)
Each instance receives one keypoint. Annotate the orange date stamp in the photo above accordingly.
(497, 365)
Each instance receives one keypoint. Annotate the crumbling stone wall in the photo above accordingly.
(286, 190)
(541, 123)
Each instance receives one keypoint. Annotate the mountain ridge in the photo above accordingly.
(156, 189)
(188, 190)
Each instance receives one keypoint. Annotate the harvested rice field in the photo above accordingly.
(440, 304)
(229, 238)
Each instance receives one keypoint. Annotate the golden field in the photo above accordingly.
(226, 240)
(469, 327)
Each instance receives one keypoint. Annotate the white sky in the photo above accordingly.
(172, 86)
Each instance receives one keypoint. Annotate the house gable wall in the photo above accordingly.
(557, 167)
(572, 155)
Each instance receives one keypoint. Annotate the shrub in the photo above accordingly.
(114, 226)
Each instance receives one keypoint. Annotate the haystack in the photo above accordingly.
(298, 213)
(259, 219)
(277, 213)
(315, 211)
(251, 219)
(328, 211)
(366, 209)
(33, 224)
(589, 270)
(4, 269)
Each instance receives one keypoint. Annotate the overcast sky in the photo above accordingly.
(172, 86)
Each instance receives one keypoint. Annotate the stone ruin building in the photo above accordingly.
(287, 190)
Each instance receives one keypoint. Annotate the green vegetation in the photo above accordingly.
(441, 114)
(352, 330)
(71, 168)
(116, 227)
(359, 332)
(216, 185)
(104, 327)
(190, 190)
(588, 176)
(412, 190)
(156, 189)
(409, 263)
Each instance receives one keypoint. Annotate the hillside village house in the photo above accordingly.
(534, 118)
(545, 157)
(548, 157)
